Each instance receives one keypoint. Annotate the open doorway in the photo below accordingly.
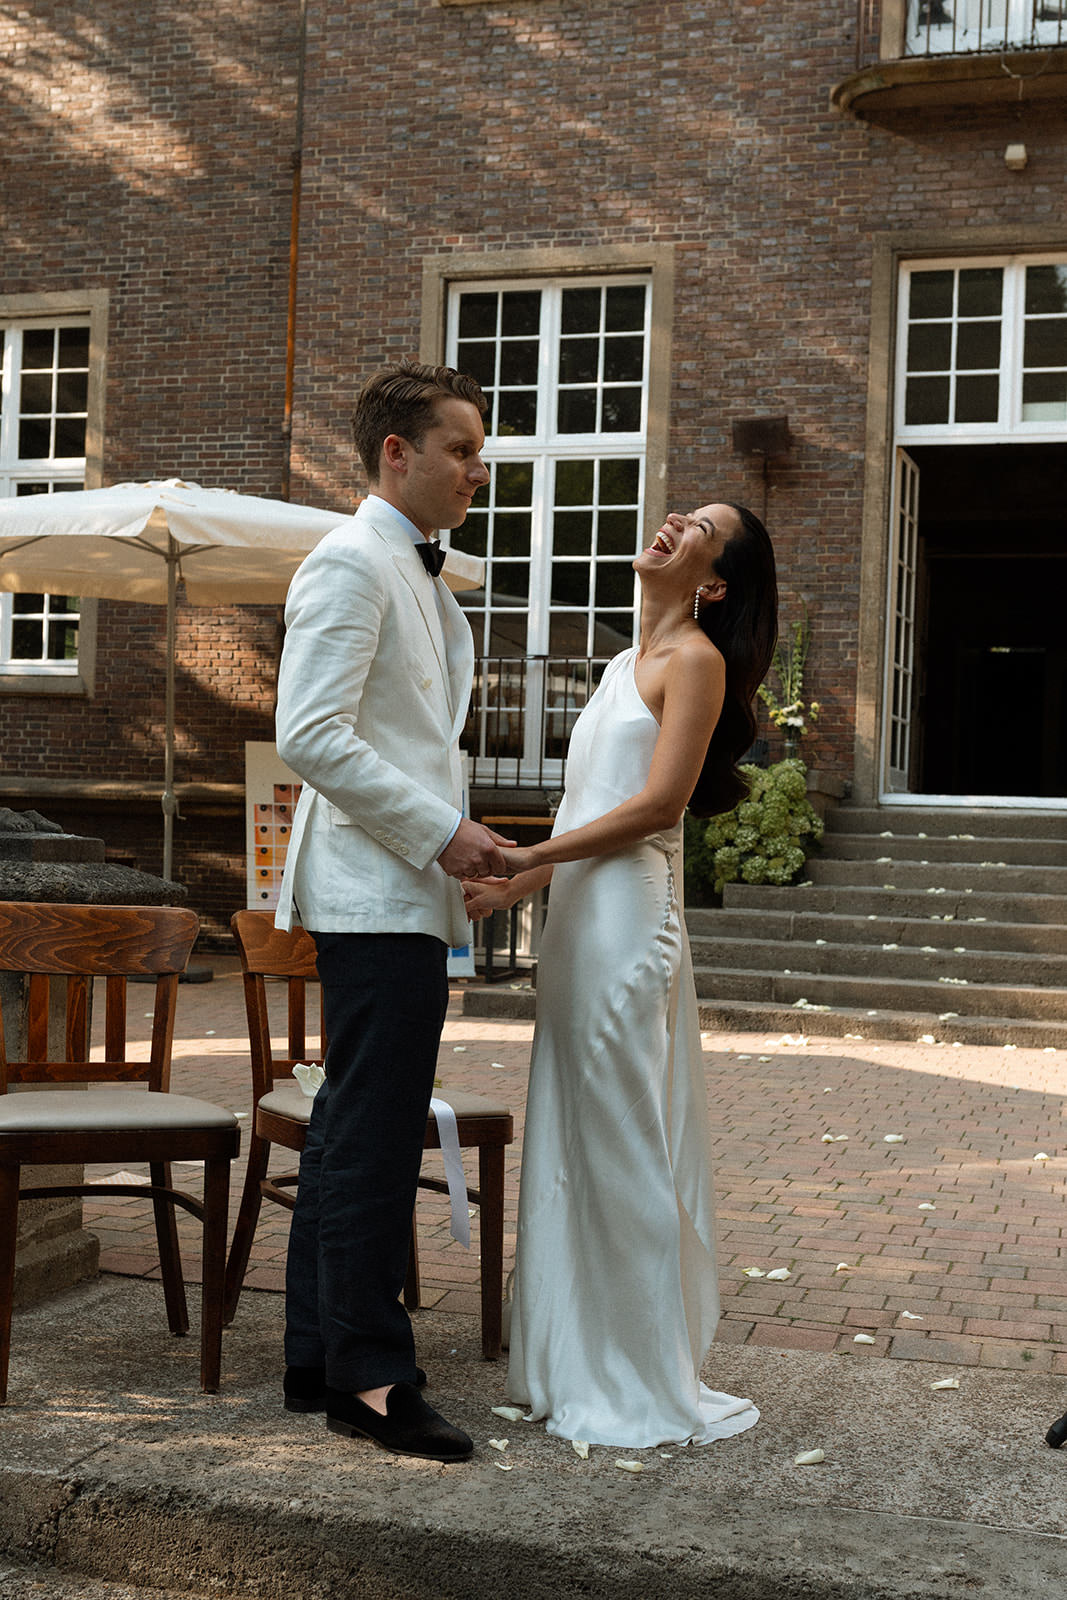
(988, 695)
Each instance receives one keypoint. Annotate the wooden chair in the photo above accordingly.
(281, 1112)
(61, 949)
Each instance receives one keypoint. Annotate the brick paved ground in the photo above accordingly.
(945, 1247)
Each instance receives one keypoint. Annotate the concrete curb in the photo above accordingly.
(117, 1470)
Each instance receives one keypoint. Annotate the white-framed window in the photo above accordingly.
(44, 411)
(963, 27)
(982, 350)
(564, 363)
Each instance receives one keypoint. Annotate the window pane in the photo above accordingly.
(63, 641)
(36, 392)
(614, 584)
(511, 534)
(625, 308)
(510, 581)
(623, 359)
(568, 634)
(38, 347)
(574, 483)
(978, 345)
(28, 602)
(577, 411)
(619, 482)
(617, 533)
(520, 312)
(26, 641)
(472, 536)
(572, 533)
(517, 412)
(35, 440)
(26, 487)
(73, 347)
(518, 361)
(612, 632)
(931, 295)
(926, 400)
(1046, 289)
(478, 358)
(70, 436)
(977, 399)
(72, 391)
(570, 583)
(1045, 397)
(981, 289)
(477, 316)
(1045, 343)
(514, 483)
(929, 346)
(581, 311)
(622, 411)
(578, 360)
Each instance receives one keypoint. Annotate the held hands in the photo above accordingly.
(474, 852)
(482, 899)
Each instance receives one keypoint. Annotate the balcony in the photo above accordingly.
(914, 53)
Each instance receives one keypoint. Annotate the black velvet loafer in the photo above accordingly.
(305, 1388)
(410, 1427)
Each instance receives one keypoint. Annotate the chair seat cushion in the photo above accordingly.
(98, 1110)
(287, 1099)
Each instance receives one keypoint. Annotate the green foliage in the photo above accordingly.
(765, 839)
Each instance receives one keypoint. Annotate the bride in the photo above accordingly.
(615, 1299)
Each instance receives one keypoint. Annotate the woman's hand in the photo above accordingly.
(521, 859)
(481, 897)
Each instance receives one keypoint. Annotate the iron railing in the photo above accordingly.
(521, 715)
(893, 29)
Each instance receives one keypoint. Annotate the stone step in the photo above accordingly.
(888, 960)
(878, 850)
(716, 923)
(865, 900)
(990, 878)
(719, 1015)
(987, 821)
(782, 989)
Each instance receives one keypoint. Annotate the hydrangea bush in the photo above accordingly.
(765, 839)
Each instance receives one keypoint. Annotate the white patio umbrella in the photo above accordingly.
(135, 540)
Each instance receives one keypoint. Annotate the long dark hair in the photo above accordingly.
(743, 625)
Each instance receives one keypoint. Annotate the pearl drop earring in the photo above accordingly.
(696, 605)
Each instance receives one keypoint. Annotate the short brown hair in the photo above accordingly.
(401, 400)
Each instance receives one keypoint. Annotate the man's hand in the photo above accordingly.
(474, 852)
(486, 896)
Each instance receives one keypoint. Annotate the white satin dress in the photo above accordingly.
(615, 1294)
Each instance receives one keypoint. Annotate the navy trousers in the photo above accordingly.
(385, 997)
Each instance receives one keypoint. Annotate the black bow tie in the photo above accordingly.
(433, 557)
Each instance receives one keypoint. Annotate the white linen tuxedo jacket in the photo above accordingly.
(372, 696)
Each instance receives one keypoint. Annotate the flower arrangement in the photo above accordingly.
(788, 711)
(765, 839)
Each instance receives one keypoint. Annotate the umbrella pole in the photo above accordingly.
(170, 804)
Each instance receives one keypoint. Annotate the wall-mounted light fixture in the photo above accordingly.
(1015, 157)
(766, 437)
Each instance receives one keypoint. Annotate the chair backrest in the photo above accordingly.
(60, 950)
(270, 952)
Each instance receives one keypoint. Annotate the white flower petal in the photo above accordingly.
(840, 1138)
(779, 1274)
(926, 1205)
(912, 1316)
(630, 1466)
(505, 1466)
(946, 1383)
(863, 1338)
(509, 1413)
(809, 1458)
(1041, 1156)
(459, 1049)
(752, 1272)
(580, 1448)
(744, 1058)
(947, 1016)
(926, 1038)
(499, 1065)
(892, 1138)
(842, 1266)
(827, 1138)
(1011, 1047)
(497, 1444)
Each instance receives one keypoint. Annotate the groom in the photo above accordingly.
(375, 678)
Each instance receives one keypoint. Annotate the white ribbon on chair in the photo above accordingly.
(448, 1133)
